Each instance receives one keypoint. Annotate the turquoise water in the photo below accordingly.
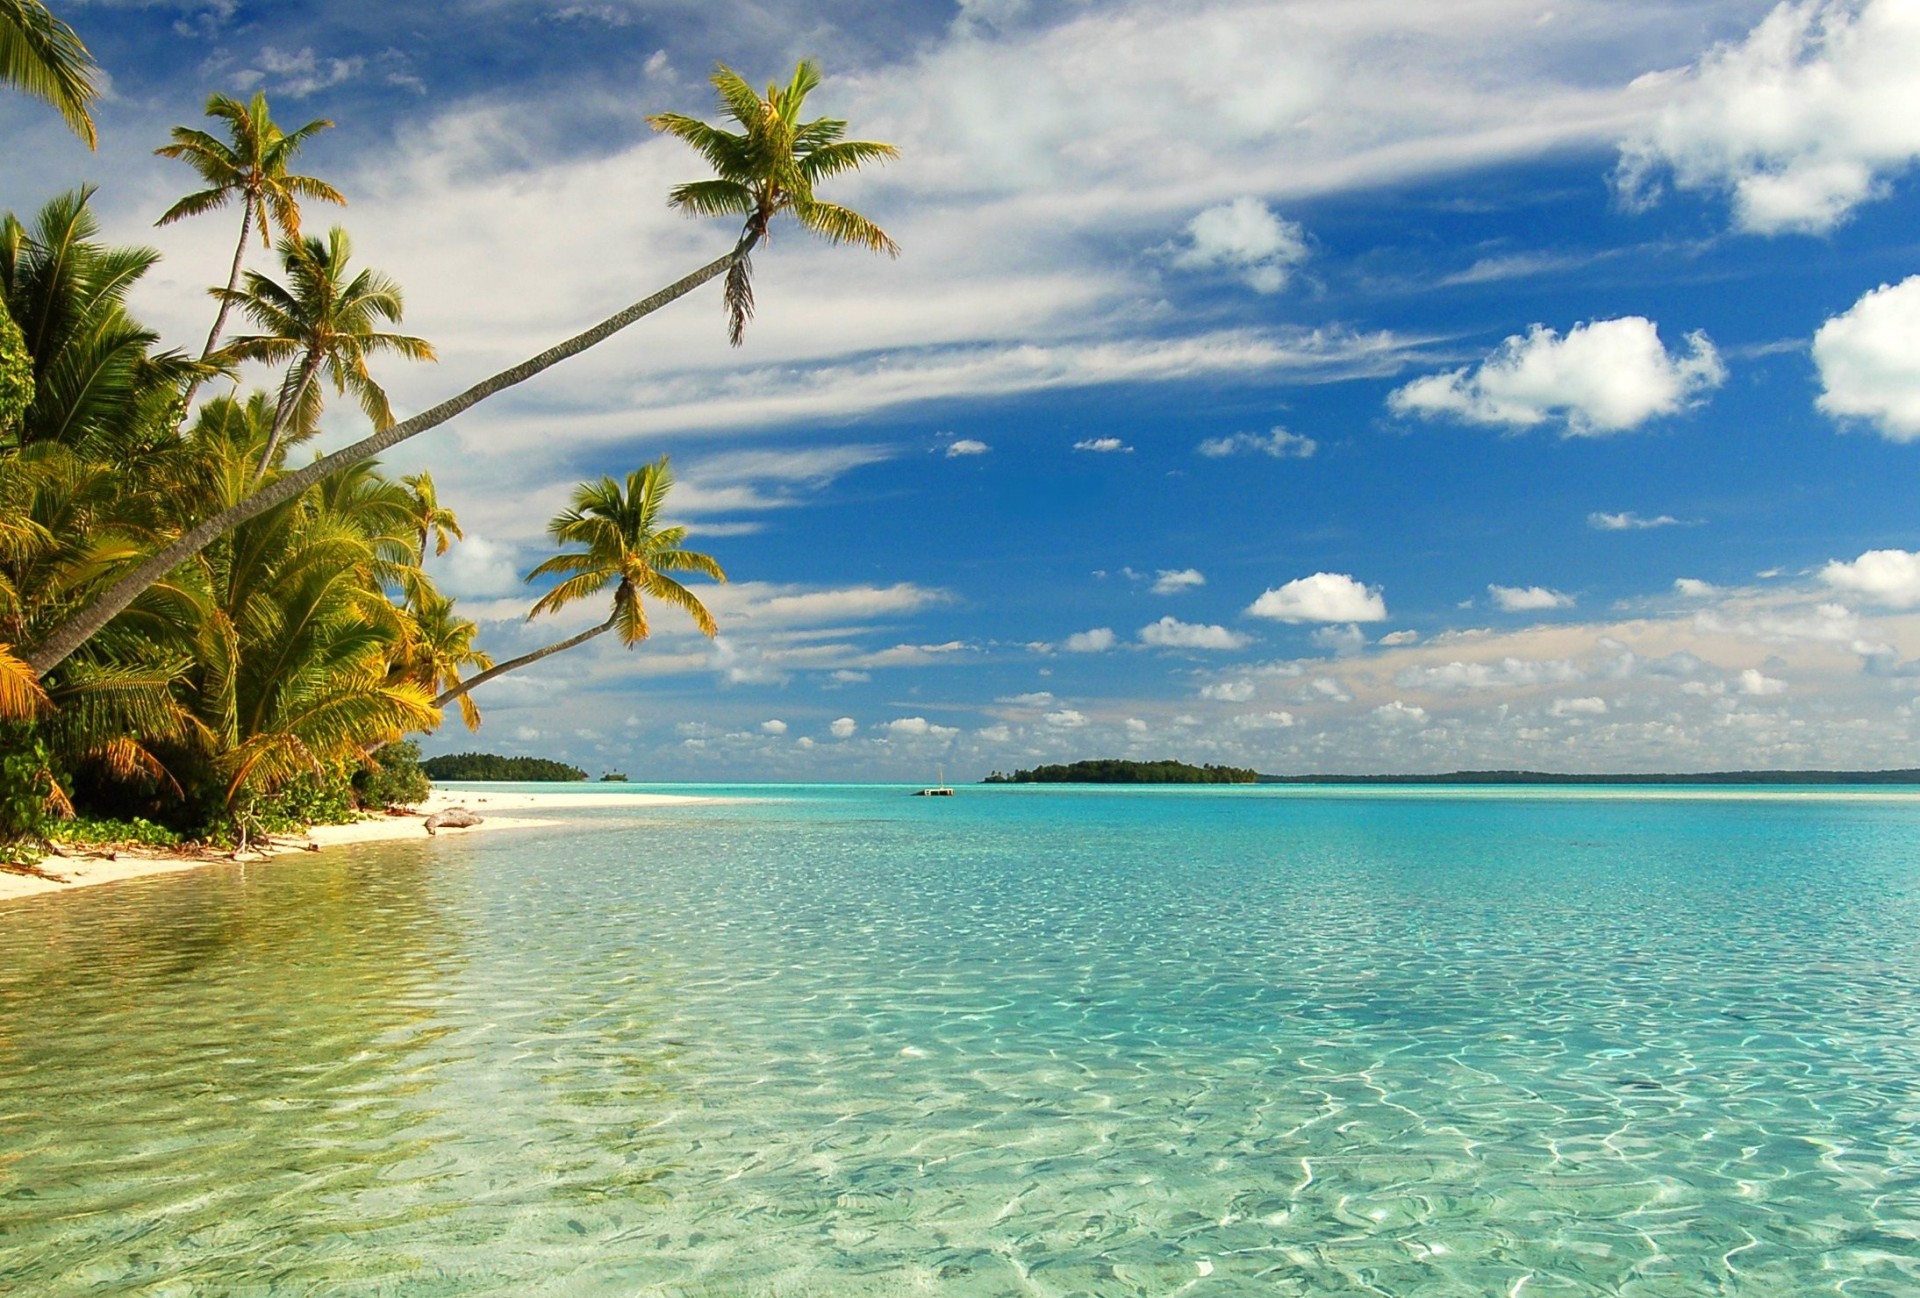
(1023, 1041)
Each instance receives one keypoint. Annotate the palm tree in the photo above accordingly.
(771, 167)
(44, 57)
(320, 320)
(62, 640)
(438, 647)
(617, 527)
(437, 523)
(253, 169)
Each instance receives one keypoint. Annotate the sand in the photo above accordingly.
(85, 868)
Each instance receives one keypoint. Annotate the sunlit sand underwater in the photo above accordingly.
(1023, 1041)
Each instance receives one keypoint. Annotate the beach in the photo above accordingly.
(499, 810)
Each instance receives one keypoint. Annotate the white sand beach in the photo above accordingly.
(499, 810)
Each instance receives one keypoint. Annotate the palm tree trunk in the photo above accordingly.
(54, 648)
(226, 303)
(502, 669)
(290, 398)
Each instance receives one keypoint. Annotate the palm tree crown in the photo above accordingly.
(321, 319)
(253, 169)
(617, 527)
(44, 57)
(770, 167)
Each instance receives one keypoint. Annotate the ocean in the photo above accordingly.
(1026, 1040)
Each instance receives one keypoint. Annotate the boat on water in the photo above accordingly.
(940, 789)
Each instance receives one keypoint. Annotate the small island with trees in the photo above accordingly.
(492, 766)
(1114, 770)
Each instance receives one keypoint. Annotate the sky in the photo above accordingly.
(1317, 388)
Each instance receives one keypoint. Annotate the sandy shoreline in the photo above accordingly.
(85, 868)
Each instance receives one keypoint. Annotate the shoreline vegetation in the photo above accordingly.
(1114, 770)
(493, 767)
(211, 637)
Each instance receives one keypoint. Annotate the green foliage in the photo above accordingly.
(306, 800)
(1114, 770)
(16, 373)
(88, 831)
(392, 778)
(29, 794)
(489, 766)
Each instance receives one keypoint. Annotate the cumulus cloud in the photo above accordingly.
(1172, 581)
(1397, 712)
(1228, 691)
(1508, 673)
(918, 726)
(1604, 377)
(1323, 597)
(1245, 237)
(1171, 633)
(773, 727)
(1528, 599)
(1065, 719)
(1628, 522)
(1096, 641)
(843, 727)
(1752, 681)
(1583, 707)
(1342, 641)
(967, 446)
(1869, 359)
(1103, 446)
(1887, 577)
(1801, 122)
(1394, 639)
(1277, 442)
(1694, 588)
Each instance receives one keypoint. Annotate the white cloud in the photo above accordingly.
(1869, 358)
(1887, 577)
(1527, 599)
(1096, 641)
(843, 727)
(967, 446)
(1753, 682)
(477, 568)
(1244, 236)
(1583, 707)
(1170, 633)
(1172, 581)
(1036, 699)
(1803, 121)
(1394, 639)
(1264, 721)
(1397, 712)
(1323, 597)
(1458, 677)
(847, 677)
(1694, 588)
(1629, 522)
(773, 727)
(1135, 726)
(919, 726)
(1104, 446)
(1603, 377)
(1343, 641)
(1228, 691)
(1278, 442)
(1065, 719)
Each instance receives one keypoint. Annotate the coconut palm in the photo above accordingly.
(320, 319)
(621, 544)
(437, 523)
(251, 166)
(62, 640)
(770, 167)
(438, 647)
(47, 59)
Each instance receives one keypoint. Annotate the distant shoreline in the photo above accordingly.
(1908, 776)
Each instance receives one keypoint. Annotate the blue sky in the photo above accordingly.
(1312, 387)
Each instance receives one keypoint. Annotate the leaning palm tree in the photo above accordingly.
(57, 644)
(621, 544)
(46, 58)
(320, 319)
(770, 167)
(251, 166)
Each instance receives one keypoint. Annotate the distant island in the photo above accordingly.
(491, 766)
(1113, 770)
(1549, 777)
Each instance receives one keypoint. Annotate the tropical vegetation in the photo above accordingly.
(204, 633)
(492, 766)
(1117, 770)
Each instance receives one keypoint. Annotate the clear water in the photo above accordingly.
(843, 1041)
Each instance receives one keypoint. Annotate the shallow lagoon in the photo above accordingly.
(1046, 1041)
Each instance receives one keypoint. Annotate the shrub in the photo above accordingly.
(392, 778)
